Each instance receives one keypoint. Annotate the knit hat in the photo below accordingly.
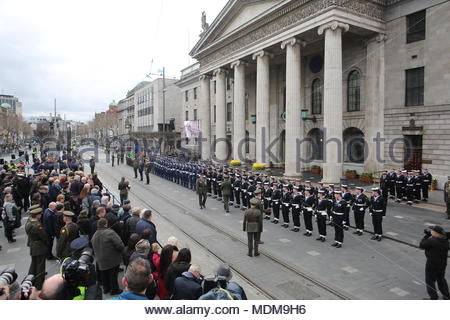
(143, 247)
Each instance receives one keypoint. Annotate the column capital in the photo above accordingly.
(238, 63)
(220, 71)
(380, 37)
(292, 42)
(333, 25)
(261, 54)
(205, 77)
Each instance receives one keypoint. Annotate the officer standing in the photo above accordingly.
(359, 210)
(267, 199)
(91, 164)
(37, 241)
(391, 183)
(435, 243)
(135, 167)
(377, 211)
(237, 191)
(147, 169)
(202, 189)
(339, 207)
(286, 205)
(225, 187)
(113, 155)
(67, 234)
(427, 178)
(347, 196)
(253, 225)
(309, 205)
(276, 202)
(322, 211)
(447, 196)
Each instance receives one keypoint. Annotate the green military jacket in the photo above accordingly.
(253, 220)
(447, 192)
(226, 188)
(37, 238)
(201, 187)
(67, 234)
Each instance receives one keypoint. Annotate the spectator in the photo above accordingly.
(130, 248)
(165, 261)
(136, 280)
(223, 275)
(108, 247)
(188, 286)
(180, 265)
(174, 242)
(84, 224)
(59, 218)
(92, 198)
(9, 219)
(142, 250)
(145, 223)
(100, 213)
(84, 197)
(156, 259)
(130, 223)
(51, 228)
(125, 211)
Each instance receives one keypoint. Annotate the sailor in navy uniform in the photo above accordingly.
(237, 190)
(427, 178)
(296, 201)
(267, 196)
(286, 205)
(339, 207)
(377, 211)
(400, 184)
(392, 176)
(417, 186)
(244, 187)
(360, 205)
(410, 188)
(347, 196)
(276, 202)
(322, 211)
(309, 204)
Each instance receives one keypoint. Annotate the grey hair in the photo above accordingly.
(137, 275)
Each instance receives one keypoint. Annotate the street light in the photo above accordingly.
(305, 116)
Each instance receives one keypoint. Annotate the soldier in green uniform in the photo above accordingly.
(226, 192)
(37, 241)
(67, 234)
(202, 190)
(253, 225)
(447, 196)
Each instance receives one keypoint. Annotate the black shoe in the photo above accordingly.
(275, 221)
(379, 238)
(236, 206)
(360, 233)
(356, 232)
(266, 218)
(425, 200)
(257, 254)
(261, 242)
(319, 239)
(12, 240)
(334, 244)
(338, 245)
(106, 291)
(285, 226)
(228, 211)
(295, 229)
(374, 238)
(323, 239)
(249, 254)
(345, 228)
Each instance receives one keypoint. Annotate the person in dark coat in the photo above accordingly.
(181, 264)
(100, 213)
(436, 245)
(51, 228)
(84, 224)
(188, 286)
(145, 223)
(108, 249)
(130, 224)
(226, 193)
(202, 190)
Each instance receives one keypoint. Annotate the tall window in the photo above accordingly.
(229, 111)
(415, 87)
(195, 114)
(354, 91)
(316, 96)
(195, 93)
(186, 96)
(214, 114)
(229, 83)
(187, 115)
(246, 106)
(215, 86)
(416, 26)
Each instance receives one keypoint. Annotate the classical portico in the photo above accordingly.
(289, 56)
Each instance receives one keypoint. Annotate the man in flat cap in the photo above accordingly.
(67, 234)
(37, 241)
(253, 225)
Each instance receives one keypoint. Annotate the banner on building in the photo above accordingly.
(192, 128)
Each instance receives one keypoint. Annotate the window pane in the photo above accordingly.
(414, 87)
(416, 26)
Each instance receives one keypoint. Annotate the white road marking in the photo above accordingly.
(399, 292)
(430, 224)
(350, 269)
(392, 234)
(12, 250)
(313, 253)
(284, 240)
(398, 217)
(417, 282)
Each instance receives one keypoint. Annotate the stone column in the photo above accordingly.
(221, 116)
(262, 105)
(333, 101)
(239, 110)
(374, 115)
(205, 116)
(294, 124)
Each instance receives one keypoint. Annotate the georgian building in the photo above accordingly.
(344, 84)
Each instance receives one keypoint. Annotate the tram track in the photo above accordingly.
(335, 293)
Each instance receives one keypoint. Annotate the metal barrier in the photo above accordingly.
(112, 196)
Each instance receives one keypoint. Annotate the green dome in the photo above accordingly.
(113, 104)
(6, 105)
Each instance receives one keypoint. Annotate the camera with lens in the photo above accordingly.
(80, 272)
(427, 232)
(26, 287)
(7, 277)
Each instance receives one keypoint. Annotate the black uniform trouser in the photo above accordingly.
(226, 202)
(322, 224)
(109, 279)
(208, 186)
(50, 240)
(425, 191)
(37, 268)
(391, 187)
(244, 199)
(417, 193)
(118, 161)
(276, 211)
(147, 177)
(359, 219)
(214, 186)
(135, 173)
(141, 174)
(112, 161)
(410, 193)
(267, 207)
(377, 221)
(296, 217)
(232, 196)
(219, 192)
(399, 191)
(285, 211)
(435, 274)
(253, 242)
(307, 217)
(202, 199)
(237, 196)
(385, 194)
(92, 170)
(346, 221)
(123, 197)
(338, 230)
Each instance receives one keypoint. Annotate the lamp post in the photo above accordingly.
(306, 118)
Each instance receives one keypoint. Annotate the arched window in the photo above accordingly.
(316, 96)
(354, 91)
(315, 147)
(354, 145)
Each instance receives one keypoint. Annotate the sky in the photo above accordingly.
(87, 53)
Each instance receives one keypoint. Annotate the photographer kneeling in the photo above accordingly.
(435, 243)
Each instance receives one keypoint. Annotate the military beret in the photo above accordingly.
(79, 243)
(34, 206)
(35, 212)
(257, 191)
(254, 201)
(68, 214)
